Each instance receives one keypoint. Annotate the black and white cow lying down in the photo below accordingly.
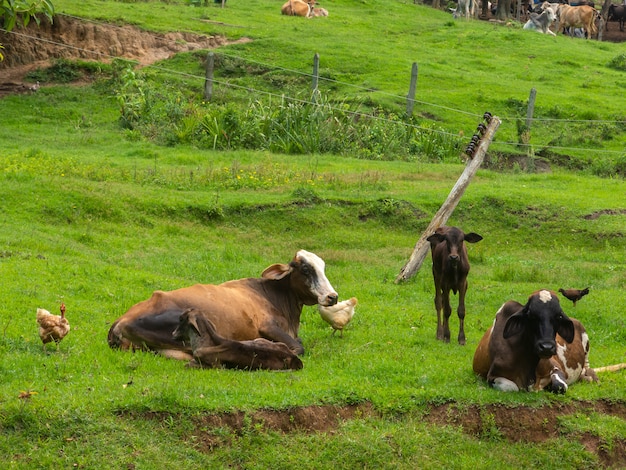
(534, 346)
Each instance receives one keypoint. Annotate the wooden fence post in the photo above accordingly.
(445, 211)
(410, 98)
(208, 80)
(316, 75)
(525, 135)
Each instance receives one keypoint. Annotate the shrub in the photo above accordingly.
(618, 62)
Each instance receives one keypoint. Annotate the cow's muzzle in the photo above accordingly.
(329, 300)
(546, 349)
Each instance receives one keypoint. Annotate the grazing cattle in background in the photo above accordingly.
(541, 22)
(211, 350)
(298, 8)
(467, 8)
(450, 268)
(315, 12)
(267, 307)
(533, 346)
(616, 13)
(577, 17)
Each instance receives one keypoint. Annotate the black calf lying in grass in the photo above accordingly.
(212, 350)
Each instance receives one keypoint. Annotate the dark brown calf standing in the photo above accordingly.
(450, 268)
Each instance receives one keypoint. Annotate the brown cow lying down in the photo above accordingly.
(298, 8)
(533, 347)
(211, 350)
(267, 307)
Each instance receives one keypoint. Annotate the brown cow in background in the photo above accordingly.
(450, 268)
(298, 8)
(583, 16)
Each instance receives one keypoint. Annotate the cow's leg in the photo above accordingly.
(447, 311)
(276, 333)
(438, 308)
(461, 312)
(152, 331)
(504, 385)
(558, 383)
(176, 354)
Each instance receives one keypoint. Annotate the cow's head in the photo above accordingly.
(193, 327)
(454, 238)
(186, 323)
(541, 319)
(307, 279)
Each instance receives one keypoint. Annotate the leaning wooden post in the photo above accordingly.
(208, 80)
(445, 211)
(410, 98)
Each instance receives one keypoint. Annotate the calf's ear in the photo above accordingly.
(515, 324)
(566, 329)
(276, 271)
(435, 238)
(472, 237)
(193, 322)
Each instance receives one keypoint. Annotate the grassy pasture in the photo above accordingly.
(97, 220)
(366, 52)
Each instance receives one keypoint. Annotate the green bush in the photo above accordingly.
(618, 62)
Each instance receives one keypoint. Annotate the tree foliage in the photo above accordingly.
(12, 11)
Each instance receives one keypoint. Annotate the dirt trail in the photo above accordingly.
(26, 49)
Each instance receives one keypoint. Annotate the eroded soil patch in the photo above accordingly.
(515, 424)
(26, 49)
(597, 214)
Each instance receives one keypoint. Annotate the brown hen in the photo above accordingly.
(52, 327)
(574, 294)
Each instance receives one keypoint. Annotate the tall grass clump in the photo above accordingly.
(308, 125)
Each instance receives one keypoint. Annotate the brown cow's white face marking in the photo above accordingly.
(545, 296)
(320, 285)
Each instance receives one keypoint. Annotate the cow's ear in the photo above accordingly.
(515, 324)
(472, 237)
(276, 271)
(435, 238)
(566, 328)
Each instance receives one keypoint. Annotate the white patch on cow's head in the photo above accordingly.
(545, 296)
(326, 295)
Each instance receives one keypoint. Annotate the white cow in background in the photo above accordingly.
(467, 8)
(541, 22)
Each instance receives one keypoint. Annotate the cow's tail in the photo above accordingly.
(613, 368)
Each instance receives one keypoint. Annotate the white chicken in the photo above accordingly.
(52, 327)
(338, 315)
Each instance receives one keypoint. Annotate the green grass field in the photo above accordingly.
(98, 218)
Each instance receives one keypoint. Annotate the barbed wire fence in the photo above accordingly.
(208, 82)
